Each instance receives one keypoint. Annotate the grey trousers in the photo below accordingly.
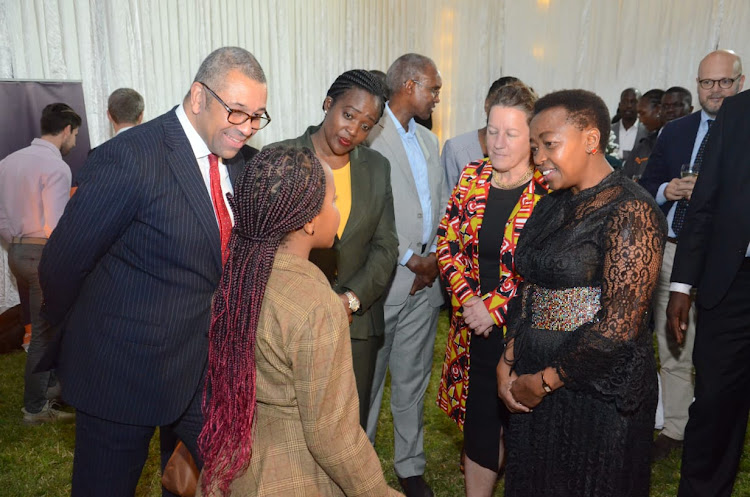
(23, 260)
(410, 331)
(676, 362)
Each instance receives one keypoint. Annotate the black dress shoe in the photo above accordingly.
(663, 446)
(415, 486)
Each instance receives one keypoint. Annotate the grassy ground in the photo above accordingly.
(37, 460)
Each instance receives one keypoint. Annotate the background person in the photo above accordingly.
(34, 190)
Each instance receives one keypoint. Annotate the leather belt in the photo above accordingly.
(672, 239)
(29, 240)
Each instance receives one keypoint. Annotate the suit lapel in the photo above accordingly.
(400, 164)
(184, 166)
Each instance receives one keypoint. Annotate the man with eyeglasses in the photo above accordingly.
(420, 196)
(670, 176)
(131, 270)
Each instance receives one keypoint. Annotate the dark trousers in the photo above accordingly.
(23, 260)
(109, 456)
(364, 355)
(715, 432)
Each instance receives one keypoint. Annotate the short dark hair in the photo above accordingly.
(125, 105)
(56, 117)
(361, 79)
(654, 96)
(217, 65)
(585, 109)
(516, 95)
(408, 66)
(684, 93)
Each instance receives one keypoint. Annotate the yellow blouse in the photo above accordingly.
(342, 178)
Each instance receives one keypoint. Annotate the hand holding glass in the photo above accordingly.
(687, 170)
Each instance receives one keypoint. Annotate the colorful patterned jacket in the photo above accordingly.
(458, 258)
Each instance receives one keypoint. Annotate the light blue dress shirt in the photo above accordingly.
(418, 165)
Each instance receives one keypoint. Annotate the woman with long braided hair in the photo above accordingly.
(280, 406)
(362, 260)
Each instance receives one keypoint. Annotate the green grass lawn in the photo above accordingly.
(37, 460)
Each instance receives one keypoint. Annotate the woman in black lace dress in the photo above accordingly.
(579, 370)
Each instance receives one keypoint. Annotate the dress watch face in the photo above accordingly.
(353, 301)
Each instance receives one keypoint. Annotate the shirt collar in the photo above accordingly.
(200, 149)
(401, 131)
(705, 118)
(44, 143)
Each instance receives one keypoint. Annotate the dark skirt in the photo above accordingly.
(485, 412)
(575, 443)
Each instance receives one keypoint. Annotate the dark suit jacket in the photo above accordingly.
(641, 133)
(130, 272)
(367, 252)
(673, 149)
(716, 233)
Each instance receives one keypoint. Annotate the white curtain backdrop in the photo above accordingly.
(155, 46)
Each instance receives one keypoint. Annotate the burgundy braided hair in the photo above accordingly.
(281, 190)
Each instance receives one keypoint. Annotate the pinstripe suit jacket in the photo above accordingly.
(130, 272)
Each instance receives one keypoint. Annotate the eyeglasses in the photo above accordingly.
(235, 116)
(435, 92)
(725, 83)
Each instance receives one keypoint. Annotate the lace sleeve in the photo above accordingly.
(609, 356)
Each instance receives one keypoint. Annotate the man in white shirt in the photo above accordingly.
(132, 267)
(628, 130)
(34, 189)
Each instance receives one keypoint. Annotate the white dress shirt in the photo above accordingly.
(627, 136)
(201, 152)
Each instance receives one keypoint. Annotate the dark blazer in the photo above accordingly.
(673, 149)
(130, 272)
(367, 252)
(716, 233)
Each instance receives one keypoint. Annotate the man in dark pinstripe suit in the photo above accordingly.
(131, 269)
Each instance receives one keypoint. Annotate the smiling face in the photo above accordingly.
(349, 119)
(209, 117)
(561, 150)
(508, 138)
(629, 104)
(718, 65)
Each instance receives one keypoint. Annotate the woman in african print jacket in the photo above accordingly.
(476, 244)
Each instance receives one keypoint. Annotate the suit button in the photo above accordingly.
(419, 216)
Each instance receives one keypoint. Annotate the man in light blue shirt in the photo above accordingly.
(420, 196)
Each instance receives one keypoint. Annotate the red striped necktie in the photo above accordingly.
(220, 207)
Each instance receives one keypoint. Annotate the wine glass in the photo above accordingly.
(687, 170)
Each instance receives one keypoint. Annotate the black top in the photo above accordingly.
(500, 204)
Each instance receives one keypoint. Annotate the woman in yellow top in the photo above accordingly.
(281, 407)
(476, 243)
(364, 255)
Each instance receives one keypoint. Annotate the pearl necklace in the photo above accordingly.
(510, 186)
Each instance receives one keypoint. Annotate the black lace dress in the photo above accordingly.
(590, 263)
